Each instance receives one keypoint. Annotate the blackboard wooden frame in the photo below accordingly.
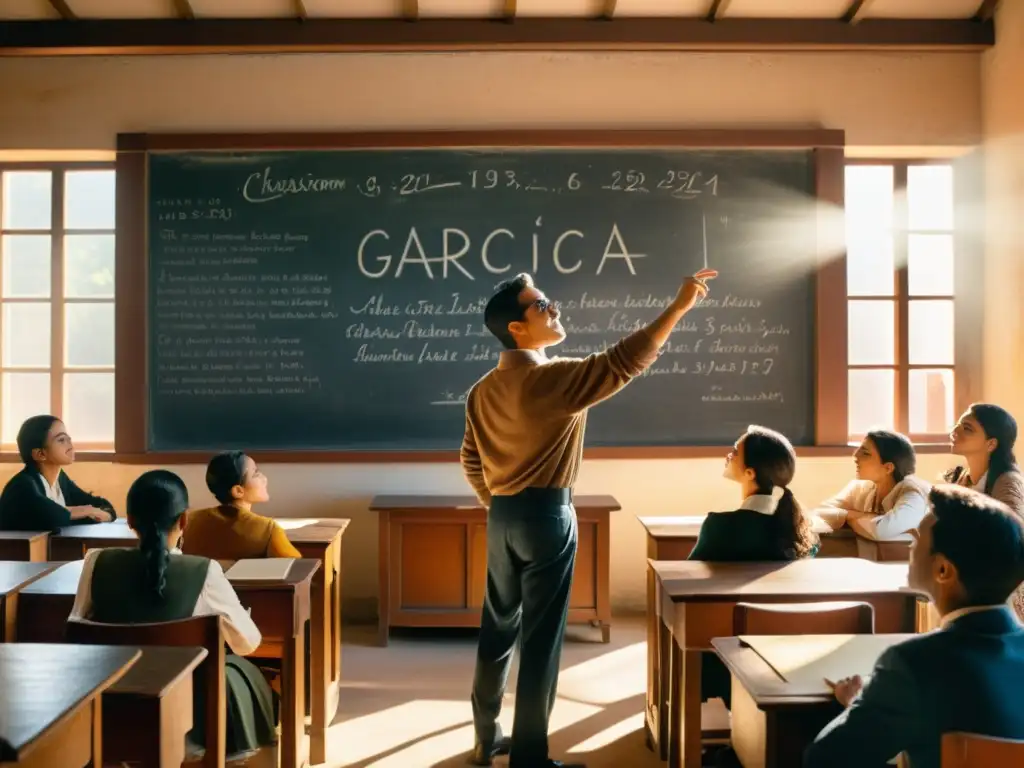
(131, 391)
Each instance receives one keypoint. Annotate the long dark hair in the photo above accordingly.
(32, 436)
(772, 458)
(224, 472)
(998, 424)
(896, 449)
(156, 501)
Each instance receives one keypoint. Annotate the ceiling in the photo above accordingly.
(280, 9)
(132, 27)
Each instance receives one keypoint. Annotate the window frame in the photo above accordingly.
(966, 297)
(58, 368)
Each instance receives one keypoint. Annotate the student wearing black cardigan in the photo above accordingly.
(41, 497)
(769, 524)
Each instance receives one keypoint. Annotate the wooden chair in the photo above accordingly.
(204, 631)
(837, 618)
(969, 750)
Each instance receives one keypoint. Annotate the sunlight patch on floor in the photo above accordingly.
(610, 735)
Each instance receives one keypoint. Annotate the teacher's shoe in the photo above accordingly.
(484, 753)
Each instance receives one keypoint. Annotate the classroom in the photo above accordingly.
(273, 226)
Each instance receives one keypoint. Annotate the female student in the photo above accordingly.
(41, 497)
(155, 582)
(985, 436)
(886, 499)
(769, 524)
(232, 531)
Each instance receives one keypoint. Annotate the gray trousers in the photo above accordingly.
(531, 551)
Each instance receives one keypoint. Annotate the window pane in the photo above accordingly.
(22, 395)
(871, 332)
(89, 406)
(872, 400)
(870, 269)
(869, 198)
(26, 199)
(931, 332)
(89, 200)
(930, 196)
(89, 334)
(930, 265)
(89, 266)
(26, 266)
(26, 334)
(931, 401)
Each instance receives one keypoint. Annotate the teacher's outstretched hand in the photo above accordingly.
(694, 288)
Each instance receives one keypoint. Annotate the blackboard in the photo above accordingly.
(333, 299)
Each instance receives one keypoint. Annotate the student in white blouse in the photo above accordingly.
(886, 500)
(156, 583)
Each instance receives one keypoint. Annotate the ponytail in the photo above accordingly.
(153, 545)
(793, 530)
(156, 502)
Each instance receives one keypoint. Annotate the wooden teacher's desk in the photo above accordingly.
(280, 608)
(433, 562)
(697, 601)
(779, 698)
(50, 713)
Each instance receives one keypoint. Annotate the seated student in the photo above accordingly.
(155, 582)
(232, 531)
(985, 436)
(966, 676)
(41, 497)
(769, 524)
(887, 499)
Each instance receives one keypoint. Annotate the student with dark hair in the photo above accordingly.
(769, 523)
(155, 582)
(41, 497)
(521, 453)
(231, 530)
(886, 499)
(967, 676)
(985, 435)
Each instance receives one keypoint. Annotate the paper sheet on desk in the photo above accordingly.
(262, 569)
(806, 661)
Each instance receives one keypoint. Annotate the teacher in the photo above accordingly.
(521, 454)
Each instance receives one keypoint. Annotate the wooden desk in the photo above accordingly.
(697, 600)
(433, 562)
(321, 540)
(49, 712)
(25, 546)
(280, 609)
(13, 578)
(773, 721)
(73, 541)
(147, 713)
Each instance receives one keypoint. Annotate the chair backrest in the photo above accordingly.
(828, 618)
(969, 750)
(205, 631)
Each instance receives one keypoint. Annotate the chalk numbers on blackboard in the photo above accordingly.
(627, 181)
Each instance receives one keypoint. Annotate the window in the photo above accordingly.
(900, 299)
(57, 299)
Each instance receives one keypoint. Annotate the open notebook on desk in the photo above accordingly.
(260, 569)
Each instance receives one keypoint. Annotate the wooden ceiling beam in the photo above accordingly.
(184, 9)
(987, 10)
(855, 13)
(154, 36)
(717, 9)
(62, 8)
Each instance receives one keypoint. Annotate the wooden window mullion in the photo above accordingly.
(57, 295)
(901, 245)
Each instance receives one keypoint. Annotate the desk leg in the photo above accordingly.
(652, 717)
(97, 731)
(320, 661)
(383, 579)
(293, 678)
(684, 736)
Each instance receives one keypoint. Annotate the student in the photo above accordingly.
(232, 531)
(887, 499)
(41, 497)
(769, 524)
(968, 555)
(985, 436)
(155, 582)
